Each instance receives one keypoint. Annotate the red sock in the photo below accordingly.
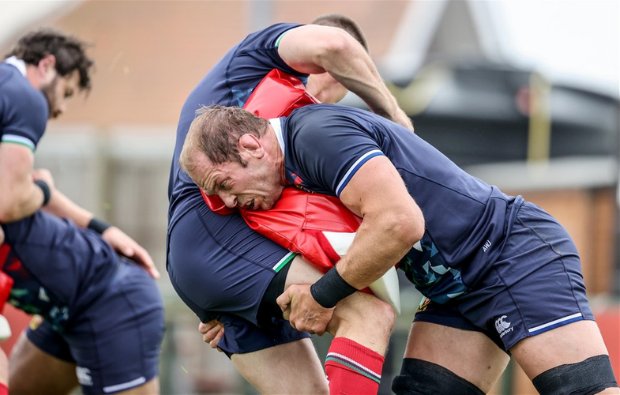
(352, 368)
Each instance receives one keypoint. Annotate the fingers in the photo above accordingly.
(284, 301)
(143, 257)
(286, 314)
(216, 340)
(212, 332)
(129, 248)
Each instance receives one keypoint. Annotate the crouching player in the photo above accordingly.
(102, 314)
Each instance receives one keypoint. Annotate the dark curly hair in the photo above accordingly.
(69, 51)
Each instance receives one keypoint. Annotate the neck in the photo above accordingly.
(33, 76)
(274, 147)
(280, 166)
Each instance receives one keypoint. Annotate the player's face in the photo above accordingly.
(252, 185)
(59, 91)
(325, 88)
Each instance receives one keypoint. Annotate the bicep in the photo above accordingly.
(16, 163)
(304, 48)
(377, 188)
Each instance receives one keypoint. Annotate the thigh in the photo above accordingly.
(243, 337)
(468, 354)
(291, 368)
(53, 376)
(563, 345)
(360, 317)
(535, 286)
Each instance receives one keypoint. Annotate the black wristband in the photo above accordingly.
(45, 188)
(330, 289)
(98, 225)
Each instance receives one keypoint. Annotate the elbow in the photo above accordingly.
(9, 211)
(410, 227)
(5, 210)
(7, 216)
(338, 46)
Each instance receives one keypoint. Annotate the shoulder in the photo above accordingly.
(325, 119)
(270, 36)
(23, 109)
(18, 95)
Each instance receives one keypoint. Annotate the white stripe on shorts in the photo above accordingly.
(548, 324)
(123, 386)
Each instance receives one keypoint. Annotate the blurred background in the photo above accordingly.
(523, 94)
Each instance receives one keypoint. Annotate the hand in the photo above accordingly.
(1, 236)
(45, 175)
(212, 332)
(302, 311)
(129, 248)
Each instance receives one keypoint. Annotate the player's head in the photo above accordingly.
(323, 86)
(59, 63)
(225, 154)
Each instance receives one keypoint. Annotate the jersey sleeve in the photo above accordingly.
(329, 149)
(23, 117)
(261, 49)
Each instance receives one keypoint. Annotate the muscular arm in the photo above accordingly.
(20, 197)
(315, 49)
(392, 222)
(61, 206)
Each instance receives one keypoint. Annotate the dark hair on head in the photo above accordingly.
(343, 22)
(70, 53)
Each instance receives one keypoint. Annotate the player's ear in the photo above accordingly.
(251, 145)
(47, 65)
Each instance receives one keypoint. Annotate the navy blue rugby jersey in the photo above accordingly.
(58, 268)
(466, 219)
(23, 109)
(230, 82)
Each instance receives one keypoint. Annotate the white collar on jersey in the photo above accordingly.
(18, 63)
(276, 124)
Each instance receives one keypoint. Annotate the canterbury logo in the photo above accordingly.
(502, 326)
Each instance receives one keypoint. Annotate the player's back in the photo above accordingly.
(230, 82)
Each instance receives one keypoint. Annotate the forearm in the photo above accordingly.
(315, 49)
(351, 65)
(60, 205)
(356, 71)
(21, 200)
(378, 246)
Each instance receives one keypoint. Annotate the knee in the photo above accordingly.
(363, 312)
(372, 312)
(418, 377)
(383, 315)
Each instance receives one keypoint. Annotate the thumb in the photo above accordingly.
(283, 301)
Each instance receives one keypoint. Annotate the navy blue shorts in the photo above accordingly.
(102, 312)
(115, 343)
(534, 286)
(221, 269)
